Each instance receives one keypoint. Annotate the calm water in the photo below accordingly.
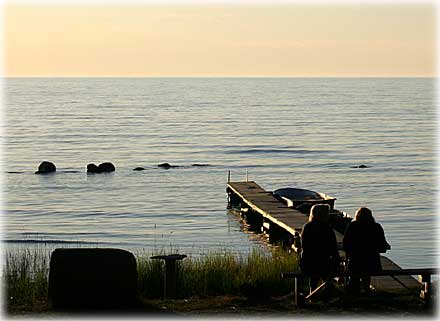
(303, 133)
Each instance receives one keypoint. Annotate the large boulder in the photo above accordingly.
(46, 167)
(106, 167)
(102, 168)
(92, 168)
(92, 278)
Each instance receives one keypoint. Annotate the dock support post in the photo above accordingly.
(425, 293)
(298, 299)
(233, 199)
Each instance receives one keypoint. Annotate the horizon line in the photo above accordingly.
(9, 77)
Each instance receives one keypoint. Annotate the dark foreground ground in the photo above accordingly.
(387, 305)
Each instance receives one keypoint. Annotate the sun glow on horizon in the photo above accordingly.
(220, 40)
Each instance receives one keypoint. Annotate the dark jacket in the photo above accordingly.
(319, 249)
(363, 241)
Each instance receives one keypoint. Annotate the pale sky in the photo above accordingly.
(290, 40)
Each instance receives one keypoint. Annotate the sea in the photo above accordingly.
(308, 133)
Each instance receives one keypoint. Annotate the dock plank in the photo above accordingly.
(268, 206)
(393, 282)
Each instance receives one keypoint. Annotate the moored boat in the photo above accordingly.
(297, 197)
(302, 200)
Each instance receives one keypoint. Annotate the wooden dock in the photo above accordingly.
(277, 218)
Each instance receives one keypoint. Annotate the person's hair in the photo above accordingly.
(364, 215)
(319, 212)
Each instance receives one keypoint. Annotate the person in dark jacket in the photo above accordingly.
(363, 240)
(319, 256)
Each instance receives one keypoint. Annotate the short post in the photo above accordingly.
(299, 296)
(296, 299)
(170, 280)
(425, 293)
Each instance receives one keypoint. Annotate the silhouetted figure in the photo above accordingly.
(363, 240)
(319, 256)
(46, 167)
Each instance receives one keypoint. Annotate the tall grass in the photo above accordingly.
(25, 276)
(221, 273)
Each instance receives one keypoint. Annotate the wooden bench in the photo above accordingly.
(425, 278)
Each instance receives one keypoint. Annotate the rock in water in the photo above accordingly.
(164, 165)
(106, 167)
(92, 168)
(46, 167)
(92, 278)
(102, 168)
(138, 169)
(360, 166)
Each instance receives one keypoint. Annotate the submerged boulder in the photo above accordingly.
(92, 168)
(46, 167)
(106, 167)
(167, 165)
(360, 166)
(164, 165)
(102, 168)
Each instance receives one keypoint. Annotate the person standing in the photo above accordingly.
(364, 240)
(319, 255)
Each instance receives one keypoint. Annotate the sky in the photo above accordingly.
(220, 40)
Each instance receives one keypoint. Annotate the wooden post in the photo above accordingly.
(170, 279)
(229, 176)
(298, 300)
(296, 293)
(425, 293)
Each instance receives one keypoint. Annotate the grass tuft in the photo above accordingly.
(221, 273)
(25, 276)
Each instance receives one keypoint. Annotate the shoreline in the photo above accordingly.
(380, 305)
(230, 293)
